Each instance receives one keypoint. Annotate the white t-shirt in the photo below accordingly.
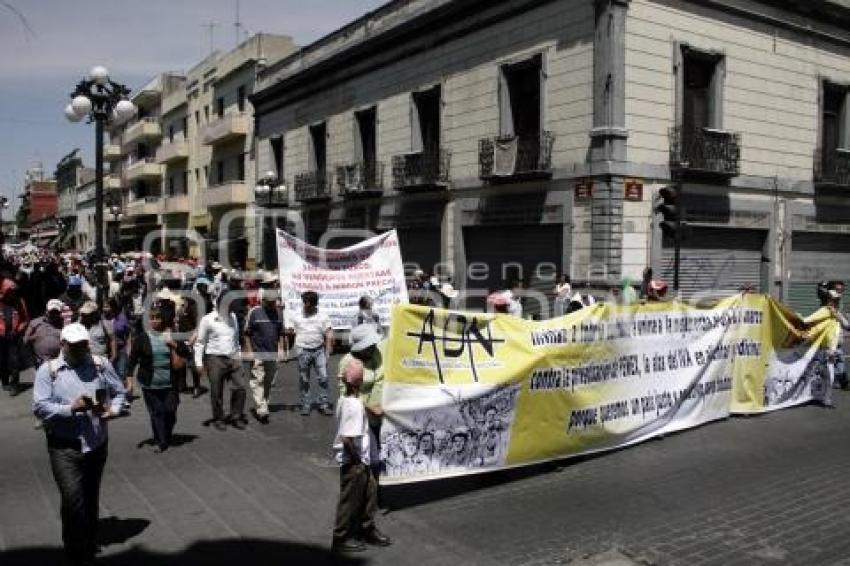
(309, 330)
(351, 421)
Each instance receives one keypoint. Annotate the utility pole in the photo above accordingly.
(210, 26)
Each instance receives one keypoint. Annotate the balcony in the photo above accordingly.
(421, 171)
(145, 168)
(144, 206)
(227, 192)
(112, 182)
(515, 158)
(172, 152)
(228, 127)
(146, 128)
(704, 152)
(832, 168)
(312, 186)
(176, 204)
(362, 179)
(111, 152)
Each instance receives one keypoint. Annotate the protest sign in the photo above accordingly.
(470, 392)
(370, 268)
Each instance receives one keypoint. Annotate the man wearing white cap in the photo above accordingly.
(43, 333)
(74, 396)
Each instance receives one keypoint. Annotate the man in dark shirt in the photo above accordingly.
(264, 346)
(43, 333)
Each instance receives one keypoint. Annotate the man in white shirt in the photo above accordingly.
(217, 353)
(314, 342)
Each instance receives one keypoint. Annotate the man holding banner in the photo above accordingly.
(314, 342)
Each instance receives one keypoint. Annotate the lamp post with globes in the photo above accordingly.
(101, 100)
(269, 193)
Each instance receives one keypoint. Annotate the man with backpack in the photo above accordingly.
(75, 395)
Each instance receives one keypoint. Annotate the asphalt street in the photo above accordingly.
(766, 490)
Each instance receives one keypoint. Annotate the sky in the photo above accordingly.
(47, 46)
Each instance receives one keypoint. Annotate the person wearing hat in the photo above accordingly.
(42, 335)
(358, 490)
(314, 340)
(75, 395)
(265, 348)
(13, 323)
(367, 348)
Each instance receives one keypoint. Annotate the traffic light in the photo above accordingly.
(670, 210)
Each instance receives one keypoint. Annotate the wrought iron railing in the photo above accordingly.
(423, 169)
(364, 177)
(705, 150)
(312, 185)
(517, 156)
(832, 167)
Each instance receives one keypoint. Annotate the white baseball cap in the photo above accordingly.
(55, 305)
(74, 333)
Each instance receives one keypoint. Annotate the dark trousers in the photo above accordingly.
(219, 370)
(358, 502)
(78, 477)
(196, 376)
(10, 360)
(162, 407)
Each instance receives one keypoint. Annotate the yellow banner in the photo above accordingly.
(469, 392)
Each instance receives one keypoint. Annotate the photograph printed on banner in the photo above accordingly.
(797, 374)
(458, 428)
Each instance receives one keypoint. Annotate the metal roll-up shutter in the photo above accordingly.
(527, 252)
(816, 257)
(716, 259)
(420, 247)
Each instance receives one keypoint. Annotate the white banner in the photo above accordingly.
(372, 268)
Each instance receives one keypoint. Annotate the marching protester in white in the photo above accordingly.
(218, 354)
(314, 343)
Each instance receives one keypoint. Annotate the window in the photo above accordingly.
(240, 167)
(425, 121)
(197, 117)
(206, 114)
(240, 98)
(185, 127)
(171, 186)
(277, 154)
(700, 93)
(207, 174)
(197, 178)
(318, 148)
(520, 99)
(186, 182)
(219, 106)
(171, 133)
(365, 136)
(219, 168)
(834, 134)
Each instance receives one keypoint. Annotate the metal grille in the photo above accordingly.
(425, 169)
(362, 178)
(312, 185)
(833, 167)
(534, 155)
(705, 150)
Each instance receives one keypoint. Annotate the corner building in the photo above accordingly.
(520, 139)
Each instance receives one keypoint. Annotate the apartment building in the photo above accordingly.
(69, 175)
(207, 153)
(520, 139)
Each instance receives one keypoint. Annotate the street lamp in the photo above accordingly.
(268, 193)
(115, 213)
(101, 100)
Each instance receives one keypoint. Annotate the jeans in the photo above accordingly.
(219, 370)
(122, 362)
(10, 361)
(358, 502)
(318, 360)
(262, 375)
(162, 407)
(78, 477)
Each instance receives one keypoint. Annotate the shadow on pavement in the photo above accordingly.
(112, 530)
(176, 440)
(256, 552)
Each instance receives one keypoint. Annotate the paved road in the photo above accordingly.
(762, 490)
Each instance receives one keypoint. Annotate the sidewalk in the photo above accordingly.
(760, 490)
